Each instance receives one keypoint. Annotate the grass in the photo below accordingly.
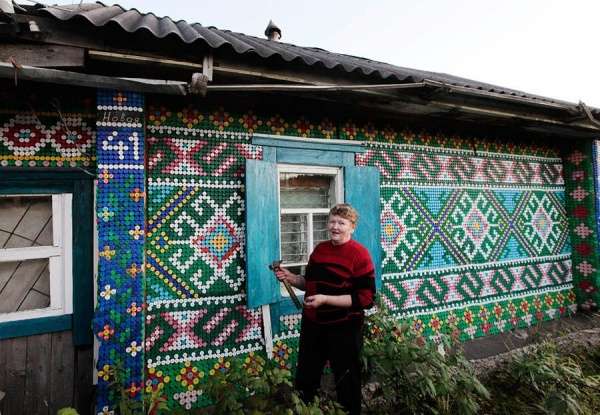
(545, 380)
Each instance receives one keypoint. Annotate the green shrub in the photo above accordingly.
(409, 375)
(267, 389)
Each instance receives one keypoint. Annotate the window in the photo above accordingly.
(46, 245)
(306, 193)
(288, 196)
(35, 252)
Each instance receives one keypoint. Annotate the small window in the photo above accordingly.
(305, 196)
(35, 252)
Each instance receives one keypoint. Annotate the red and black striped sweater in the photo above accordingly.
(339, 270)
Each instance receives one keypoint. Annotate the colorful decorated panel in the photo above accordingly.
(195, 252)
(580, 165)
(462, 227)
(48, 135)
(120, 209)
(475, 237)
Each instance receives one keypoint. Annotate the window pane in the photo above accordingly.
(306, 190)
(25, 221)
(24, 285)
(320, 228)
(294, 237)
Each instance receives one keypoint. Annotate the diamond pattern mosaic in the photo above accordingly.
(464, 227)
(474, 232)
(197, 318)
(429, 227)
(195, 239)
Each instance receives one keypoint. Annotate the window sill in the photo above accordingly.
(33, 326)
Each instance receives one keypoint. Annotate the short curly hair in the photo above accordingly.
(345, 211)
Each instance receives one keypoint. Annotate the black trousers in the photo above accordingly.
(339, 343)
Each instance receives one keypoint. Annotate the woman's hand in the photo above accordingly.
(283, 274)
(315, 301)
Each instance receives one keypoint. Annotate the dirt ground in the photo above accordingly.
(570, 333)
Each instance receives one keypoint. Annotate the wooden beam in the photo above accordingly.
(45, 56)
(258, 72)
(58, 33)
(140, 59)
(500, 113)
(74, 33)
(207, 66)
(28, 73)
(307, 76)
(313, 88)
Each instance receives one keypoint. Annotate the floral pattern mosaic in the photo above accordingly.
(47, 138)
(580, 164)
(120, 209)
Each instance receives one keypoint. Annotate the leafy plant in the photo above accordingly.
(154, 403)
(543, 381)
(266, 389)
(409, 375)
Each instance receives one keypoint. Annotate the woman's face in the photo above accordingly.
(340, 229)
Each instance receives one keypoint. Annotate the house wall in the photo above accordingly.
(42, 373)
(475, 241)
(475, 234)
(467, 249)
(43, 129)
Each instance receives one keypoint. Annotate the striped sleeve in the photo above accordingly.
(363, 282)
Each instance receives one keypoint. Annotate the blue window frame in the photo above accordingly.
(361, 189)
(79, 186)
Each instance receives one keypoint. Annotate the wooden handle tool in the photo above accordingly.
(275, 265)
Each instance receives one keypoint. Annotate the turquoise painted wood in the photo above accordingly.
(44, 175)
(361, 186)
(21, 188)
(285, 306)
(348, 159)
(310, 157)
(305, 144)
(269, 154)
(83, 246)
(262, 232)
(35, 326)
(81, 186)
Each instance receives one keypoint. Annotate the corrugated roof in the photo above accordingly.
(132, 21)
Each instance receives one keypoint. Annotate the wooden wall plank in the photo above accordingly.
(62, 370)
(43, 55)
(3, 356)
(37, 395)
(43, 373)
(15, 351)
(84, 389)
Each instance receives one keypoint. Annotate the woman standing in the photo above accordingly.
(339, 285)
